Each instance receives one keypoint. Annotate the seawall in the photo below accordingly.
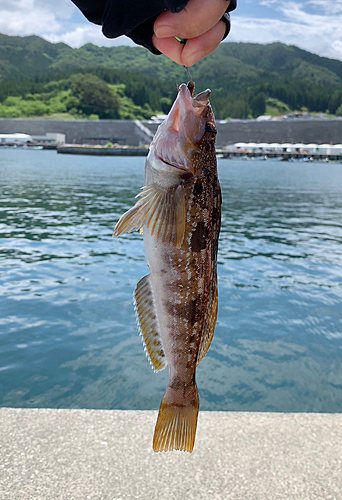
(128, 132)
(80, 131)
(92, 454)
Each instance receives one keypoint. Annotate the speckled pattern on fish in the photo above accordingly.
(179, 212)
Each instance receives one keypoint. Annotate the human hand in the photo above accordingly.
(199, 23)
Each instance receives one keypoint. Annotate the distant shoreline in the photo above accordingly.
(79, 149)
(221, 153)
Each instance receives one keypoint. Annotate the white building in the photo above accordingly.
(286, 147)
(15, 138)
(50, 138)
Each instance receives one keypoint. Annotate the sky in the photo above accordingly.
(313, 25)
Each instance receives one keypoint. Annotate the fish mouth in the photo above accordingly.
(177, 140)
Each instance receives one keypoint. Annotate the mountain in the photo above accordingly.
(22, 58)
(30, 56)
(283, 59)
(238, 73)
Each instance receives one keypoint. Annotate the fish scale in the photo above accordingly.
(179, 212)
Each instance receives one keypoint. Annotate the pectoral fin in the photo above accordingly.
(148, 323)
(162, 210)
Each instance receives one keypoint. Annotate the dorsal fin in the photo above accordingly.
(209, 333)
(148, 323)
(163, 210)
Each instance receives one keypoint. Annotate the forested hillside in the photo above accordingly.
(39, 78)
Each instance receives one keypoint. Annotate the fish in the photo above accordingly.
(179, 213)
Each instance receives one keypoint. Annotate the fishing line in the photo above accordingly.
(187, 70)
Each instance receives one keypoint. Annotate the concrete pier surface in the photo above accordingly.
(93, 454)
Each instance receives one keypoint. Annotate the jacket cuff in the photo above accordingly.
(226, 18)
(232, 6)
(142, 35)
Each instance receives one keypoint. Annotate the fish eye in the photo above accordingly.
(210, 128)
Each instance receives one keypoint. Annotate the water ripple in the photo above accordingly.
(68, 336)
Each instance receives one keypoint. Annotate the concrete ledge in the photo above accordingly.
(90, 454)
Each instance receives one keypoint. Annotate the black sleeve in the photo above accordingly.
(226, 17)
(134, 18)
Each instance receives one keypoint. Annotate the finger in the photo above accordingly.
(194, 49)
(198, 17)
(170, 47)
(200, 47)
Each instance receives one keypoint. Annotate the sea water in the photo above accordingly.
(68, 335)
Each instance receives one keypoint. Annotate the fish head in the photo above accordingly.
(188, 129)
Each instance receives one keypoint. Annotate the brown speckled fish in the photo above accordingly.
(179, 210)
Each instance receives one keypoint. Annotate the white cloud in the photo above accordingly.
(327, 6)
(63, 8)
(20, 17)
(89, 33)
(268, 3)
(312, 31)
(337, 46)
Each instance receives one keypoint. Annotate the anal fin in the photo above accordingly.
(148, 323)
(211, 323)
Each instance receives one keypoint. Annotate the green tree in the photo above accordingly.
(258, 104)
(238, 108)
(335, 101)
(94, 96)
(165, 104)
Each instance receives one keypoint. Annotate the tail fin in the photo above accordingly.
(177, 421)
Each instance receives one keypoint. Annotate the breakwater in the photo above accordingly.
(123, 132)
(127, 132)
